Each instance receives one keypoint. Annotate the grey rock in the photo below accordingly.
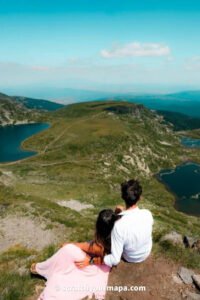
(192, 296)
(173, 237)
(188, 241)
(186, 275)
(196, 279)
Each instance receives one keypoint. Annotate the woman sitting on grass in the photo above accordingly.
(67, 272)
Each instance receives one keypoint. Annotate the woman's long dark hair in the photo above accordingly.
(104, 225)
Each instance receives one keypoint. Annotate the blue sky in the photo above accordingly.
(107, 45)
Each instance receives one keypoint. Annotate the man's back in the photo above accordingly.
(131, 237)
(136, 227)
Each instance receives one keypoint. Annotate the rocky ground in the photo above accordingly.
(158, 275)
(156, 278)
(29, 232)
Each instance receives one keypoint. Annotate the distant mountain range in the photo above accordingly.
(62, 95)
(181, 109)
(187, 103)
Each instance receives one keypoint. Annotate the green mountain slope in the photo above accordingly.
(82, 158)
(180, 121)
(38, 103)
(15, 110)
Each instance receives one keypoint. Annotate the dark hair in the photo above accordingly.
(131, 191)
(104, 225)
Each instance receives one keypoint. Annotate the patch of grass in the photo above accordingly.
(14, 287)
(16, 252)
(47, 252)
(186, 257)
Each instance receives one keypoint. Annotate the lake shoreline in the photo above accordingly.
(23, 148)
(25, 122)
(20, 152)
(171, 191)
(192, 143)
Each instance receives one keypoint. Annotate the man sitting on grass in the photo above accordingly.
(131, 237)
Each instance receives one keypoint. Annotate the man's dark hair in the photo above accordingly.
(131, 191)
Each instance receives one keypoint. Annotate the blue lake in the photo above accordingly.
(11, 138)
(191, 143)
(184, 182)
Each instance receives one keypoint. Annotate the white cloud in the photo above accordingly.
(137, 49)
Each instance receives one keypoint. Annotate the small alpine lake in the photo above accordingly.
(12, 136)
(184, 182)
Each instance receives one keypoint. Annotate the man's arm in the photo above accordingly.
(117, 244)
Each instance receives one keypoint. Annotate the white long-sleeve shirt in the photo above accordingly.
(131, 237)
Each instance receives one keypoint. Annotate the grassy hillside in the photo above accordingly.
(85, 155)
(180, 121)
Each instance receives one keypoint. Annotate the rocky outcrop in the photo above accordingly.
(183, 241)
(196, 279)
(14, 112)
(186, 275)
(174, 238)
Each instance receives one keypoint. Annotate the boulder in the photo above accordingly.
(186, 275)
(174, 238)
(192, 296)
(196, 279)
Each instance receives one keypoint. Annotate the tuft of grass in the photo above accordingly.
(47, 252)
(16, 252)
(14, 287)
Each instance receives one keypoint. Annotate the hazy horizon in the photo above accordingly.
(63, 94)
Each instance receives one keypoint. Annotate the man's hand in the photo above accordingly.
(119, 209)
(84, 263)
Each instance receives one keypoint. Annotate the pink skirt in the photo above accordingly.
(67, 282)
